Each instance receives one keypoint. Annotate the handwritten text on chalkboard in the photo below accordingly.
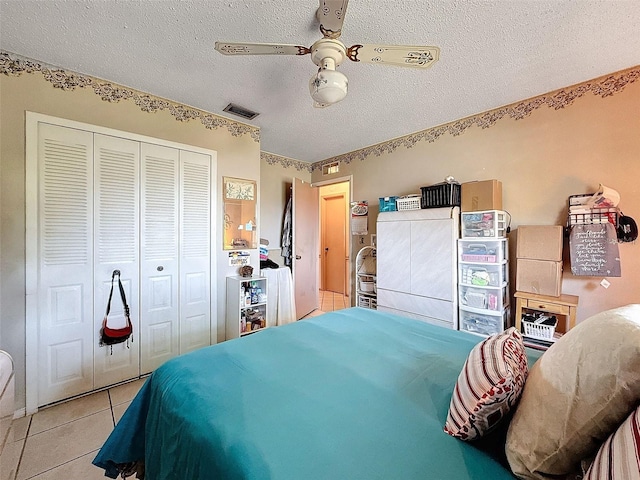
(594, 250)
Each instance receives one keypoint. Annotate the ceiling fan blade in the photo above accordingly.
(398, 55)
(228, 48)
(331, 16)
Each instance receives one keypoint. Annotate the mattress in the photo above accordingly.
(353, 394)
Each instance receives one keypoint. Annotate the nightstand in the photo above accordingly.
(565, 305)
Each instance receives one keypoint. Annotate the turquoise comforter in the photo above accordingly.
(354, 394)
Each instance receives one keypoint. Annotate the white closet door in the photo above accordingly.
(116, 246)
(393, 258)
(65, 263)
(195, 251)
(159, 265)
(432, 249)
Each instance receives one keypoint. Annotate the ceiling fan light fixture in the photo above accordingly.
(328, 86)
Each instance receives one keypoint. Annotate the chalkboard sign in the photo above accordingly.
(594, 250)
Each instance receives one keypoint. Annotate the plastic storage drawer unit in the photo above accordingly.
(486, 224)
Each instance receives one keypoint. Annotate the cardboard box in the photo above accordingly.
(543, 277)
(481, 195)
(540, 242)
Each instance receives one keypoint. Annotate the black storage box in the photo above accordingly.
(440, 195)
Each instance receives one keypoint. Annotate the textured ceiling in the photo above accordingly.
(492, 53)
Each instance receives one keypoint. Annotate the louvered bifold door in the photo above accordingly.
(195, 250)
(116, 247)
(65, 264)
(159, 252)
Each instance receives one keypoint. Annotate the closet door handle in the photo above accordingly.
(298, 257)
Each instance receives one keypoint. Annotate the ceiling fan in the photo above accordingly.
(328, 86)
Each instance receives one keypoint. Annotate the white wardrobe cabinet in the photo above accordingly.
(417, 264)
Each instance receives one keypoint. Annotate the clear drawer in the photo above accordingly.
(485, 224)
(483, 323)
(483, 251)
(489, 298)
(482, 275)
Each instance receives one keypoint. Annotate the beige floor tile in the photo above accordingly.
(9, 459)
(60, 445)
(126, 392)
(315, 313)
(65, 412)
(19, 427)
(118, 410)
(79, 468)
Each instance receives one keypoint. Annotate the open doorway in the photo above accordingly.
(335, 245)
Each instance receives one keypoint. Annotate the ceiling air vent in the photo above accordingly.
(241, 111)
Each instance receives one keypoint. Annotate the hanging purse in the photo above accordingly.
(112, 336)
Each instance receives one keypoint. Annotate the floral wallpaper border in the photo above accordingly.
(607, 85)
(286, 162)
(604, 86)
(11, 64)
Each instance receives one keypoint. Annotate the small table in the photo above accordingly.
(566, 305)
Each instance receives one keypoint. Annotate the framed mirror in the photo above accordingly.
(239, 198)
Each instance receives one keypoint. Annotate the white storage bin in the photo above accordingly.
(483, 251)
(539, 331)
(485, 224)
(482, 275)
(367, 302)
(483, 323)
(486, 298)
(410, 202)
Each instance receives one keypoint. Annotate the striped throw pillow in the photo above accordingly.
(489, 385)
(619, 456)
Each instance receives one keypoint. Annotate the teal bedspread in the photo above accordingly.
(354, 394)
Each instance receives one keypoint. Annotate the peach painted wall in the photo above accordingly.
(541, 160)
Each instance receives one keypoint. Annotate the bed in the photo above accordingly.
(353, 394)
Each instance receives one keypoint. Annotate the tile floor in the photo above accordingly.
(330, 301)
(61, 441)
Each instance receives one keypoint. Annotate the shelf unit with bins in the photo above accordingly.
(246, 306)
(483, 284)
(366, 272)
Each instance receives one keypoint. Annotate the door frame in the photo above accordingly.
(349, 274)
(32, 120)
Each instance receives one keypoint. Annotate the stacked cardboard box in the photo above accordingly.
(481, 195)
(539, 259)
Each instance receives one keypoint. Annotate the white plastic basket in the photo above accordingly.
(367, 286)
(539, 330)
(408, 203)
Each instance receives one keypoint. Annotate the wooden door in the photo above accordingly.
(333, 243)
(305, 247)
